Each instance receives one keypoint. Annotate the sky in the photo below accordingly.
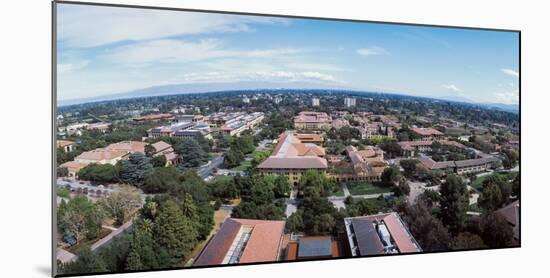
(110, 50)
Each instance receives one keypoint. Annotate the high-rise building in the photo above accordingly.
(315, 101)
(349, 102)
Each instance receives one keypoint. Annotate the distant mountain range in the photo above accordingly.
(201, 88)
(514, 108)
(190, 88)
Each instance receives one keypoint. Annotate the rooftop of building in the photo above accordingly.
(243, 241)
(312, 117)
(422, 131)
(291, 153)
(409, 145)
(379, 234)
(127, 146)
(64, 143)
(101, 154)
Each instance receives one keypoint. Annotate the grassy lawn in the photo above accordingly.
(379, 205)
(244, 165)
(339, 192)
(478, 183)
(363, 188)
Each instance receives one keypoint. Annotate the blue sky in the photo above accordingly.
(108, 50)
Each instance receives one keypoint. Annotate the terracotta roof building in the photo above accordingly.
(67, 145)
(379, 234)
(243, 241)
(367, 164)
(312, 120)
(101, 156)
(411, 147)
(73, 167)
(127, 146)
(511, 213)
(427, 133)
(292, 157)
(460, 166)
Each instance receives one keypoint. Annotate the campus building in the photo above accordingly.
(427, 134)
(315, 101)
(379, 234)
(511, 214)
(243, 241)
(312, 120)
(411, 148)
(246, 122)
(460, 166)
(68, 146)
(349, 101)
(367, 165)
(115, 152)
(292, 157)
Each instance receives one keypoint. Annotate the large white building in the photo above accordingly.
(349, 102)
(315, 101)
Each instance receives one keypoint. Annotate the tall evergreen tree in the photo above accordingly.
(454, 203)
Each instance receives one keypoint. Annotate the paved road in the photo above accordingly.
(206, 170)
(110, 236)
(291, 203)
(417, 188)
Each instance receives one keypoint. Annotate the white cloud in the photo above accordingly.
(71, 67)
(178, 51)
(372, 51)
(452, 88)
(315, 66)
(87, 26)
(510, 72)
(510, 97)
(269, 76)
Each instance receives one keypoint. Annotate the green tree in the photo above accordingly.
(454, 203)
(191, 153)
(87, 262)
(391, 175)
(409, 165)
(135, 169)
(149, 150)
(495, 193)
(158, 161)
(161, 180)
(495, 231)
(99, 173)
(426, 229)
(120, 204)
(294, 222)
(174, 232)
(79, 218)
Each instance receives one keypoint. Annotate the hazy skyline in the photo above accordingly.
(109, 50)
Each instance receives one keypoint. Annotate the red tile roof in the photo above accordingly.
(101, 154)
(63, 143)
(426, 131)
(262, 246)
(127, 146)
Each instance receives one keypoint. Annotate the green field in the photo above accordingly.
(478, 183)
(363, 188)
(339, 192)
(245, 164)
